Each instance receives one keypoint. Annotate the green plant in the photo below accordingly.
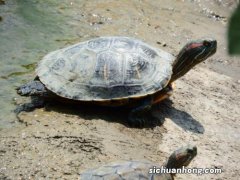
(234, 33)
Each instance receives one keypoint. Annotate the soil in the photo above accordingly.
(61, 141)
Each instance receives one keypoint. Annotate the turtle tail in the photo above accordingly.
(33, 88)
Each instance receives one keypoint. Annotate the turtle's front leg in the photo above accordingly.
(138, 115)
(33, 88)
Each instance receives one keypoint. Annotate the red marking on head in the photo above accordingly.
(194, 45)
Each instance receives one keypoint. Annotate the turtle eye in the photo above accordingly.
(206, 43)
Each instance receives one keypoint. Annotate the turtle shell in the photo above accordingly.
(106, 68)
(124, 170)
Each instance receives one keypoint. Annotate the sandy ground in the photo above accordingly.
(61, 142)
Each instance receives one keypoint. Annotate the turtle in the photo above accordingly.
(115, 71)
(135, 169)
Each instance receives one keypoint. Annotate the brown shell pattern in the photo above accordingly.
(106, 68)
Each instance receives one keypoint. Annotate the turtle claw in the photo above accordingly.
(137, 117)
(135, 121)
(143, 120)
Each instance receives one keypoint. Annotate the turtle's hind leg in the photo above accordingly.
(33, 88)
(36, 102)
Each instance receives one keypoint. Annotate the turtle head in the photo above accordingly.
(181, 157)
(193, 53)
